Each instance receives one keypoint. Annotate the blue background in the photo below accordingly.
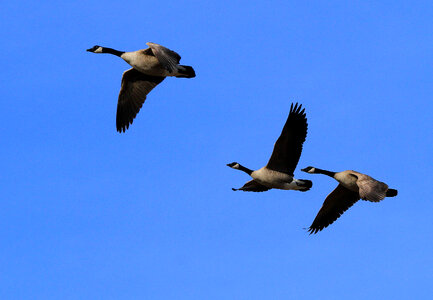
(88, 213)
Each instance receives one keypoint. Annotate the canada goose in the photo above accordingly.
(352, 187)
(149, 68)
(278, 173)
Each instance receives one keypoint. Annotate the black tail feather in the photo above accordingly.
(391, 193)
(306, 184)
(185, 72)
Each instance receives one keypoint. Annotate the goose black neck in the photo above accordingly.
(246, 170)
(112, 51)
(325, 172)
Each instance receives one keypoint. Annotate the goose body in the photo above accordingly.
(278, 173)
(149, 68)
(347, 180)
(352, 187)
(146, 64)
(276, 180)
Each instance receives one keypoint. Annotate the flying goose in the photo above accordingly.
(278, 173)
(352, 187)
(149, 68)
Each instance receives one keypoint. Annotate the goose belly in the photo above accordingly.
(274, 179)
(154, 70)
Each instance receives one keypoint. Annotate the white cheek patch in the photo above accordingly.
(236, 166)
(99, 50)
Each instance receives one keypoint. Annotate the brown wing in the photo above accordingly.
(371, 189)
(148, 51)
(135, 87)
(288, 148)
(252, 186)
(168, 58)
(336, 203)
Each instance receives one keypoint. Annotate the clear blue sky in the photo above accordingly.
(88, 213)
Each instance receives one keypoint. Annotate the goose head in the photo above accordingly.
(309, 169)
(233, 165)
(95, 49)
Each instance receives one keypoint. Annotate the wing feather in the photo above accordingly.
(168, 58)
(288, 148)
(371, 189)
(335, 204)
(252, 186)
(133, 92)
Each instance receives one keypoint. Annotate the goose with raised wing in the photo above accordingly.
(352, 187)
(278, 173)
(149, 68)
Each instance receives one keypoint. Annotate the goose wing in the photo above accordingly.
(288, 148)
(252, 186)
(336, 203)
(168, 58)
(371, 189)
(133, 92)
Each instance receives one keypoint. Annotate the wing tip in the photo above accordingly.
(297, 109)
(122, 127)
(313, 230)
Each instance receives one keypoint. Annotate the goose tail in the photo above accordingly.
(304, 184)
(391, 193)
(185, 72)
